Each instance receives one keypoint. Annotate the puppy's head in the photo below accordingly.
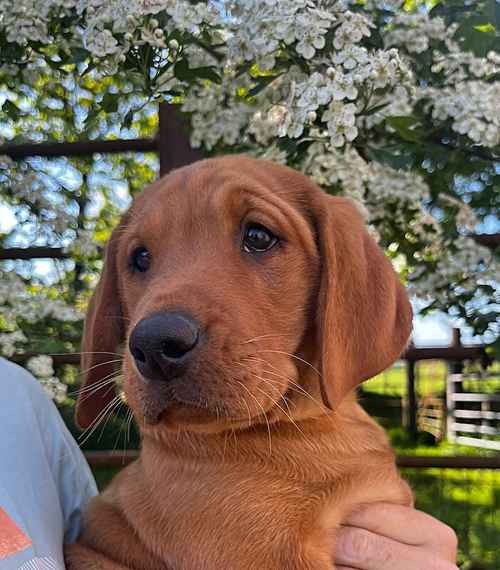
(242, 294)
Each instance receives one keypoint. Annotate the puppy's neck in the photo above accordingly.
(275, 442)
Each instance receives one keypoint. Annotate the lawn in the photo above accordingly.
(430, 380)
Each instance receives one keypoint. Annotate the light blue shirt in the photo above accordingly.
(45, 481)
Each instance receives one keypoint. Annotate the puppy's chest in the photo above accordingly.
(185, 511)
(197, 492)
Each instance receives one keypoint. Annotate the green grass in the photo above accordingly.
(468, 501)
(430, 380)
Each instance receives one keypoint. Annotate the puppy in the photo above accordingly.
(251, 304)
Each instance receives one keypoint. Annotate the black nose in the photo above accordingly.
(163, 343)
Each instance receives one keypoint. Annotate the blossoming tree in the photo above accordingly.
(393, 103)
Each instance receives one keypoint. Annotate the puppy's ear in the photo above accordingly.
(103, 332)
(364, 315)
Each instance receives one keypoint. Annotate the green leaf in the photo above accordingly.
(376, 109)
(110, 102)
(184, 73)
(262, 83)
(485, 28)
(79, 55)
(390, 158)
(11, 110)
(406, 127)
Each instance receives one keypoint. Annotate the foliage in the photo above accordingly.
(393, 103)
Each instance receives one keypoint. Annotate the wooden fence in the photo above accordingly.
(431, 416)
(474, 413)
(119, 459)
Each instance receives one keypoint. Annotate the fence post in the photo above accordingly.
(173, 140)
(457, 367)
(450, 407)
(410, 401)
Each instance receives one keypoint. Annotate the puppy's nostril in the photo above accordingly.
(138, 354)
(176, 348)
(173, 349)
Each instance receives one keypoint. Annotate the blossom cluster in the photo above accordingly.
(472, 107)
(416, 31)
(16, 302)
(42, 367)
(464, 264)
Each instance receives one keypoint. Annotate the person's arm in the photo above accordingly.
(45, 482)
(75, 482)
(382, 536)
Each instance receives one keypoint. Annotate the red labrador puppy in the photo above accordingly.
(250, 304)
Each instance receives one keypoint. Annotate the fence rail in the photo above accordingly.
(25, 253)
(118, 459)
(78, 148)
(413, 354)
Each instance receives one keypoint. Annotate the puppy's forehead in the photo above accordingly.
(213, 183)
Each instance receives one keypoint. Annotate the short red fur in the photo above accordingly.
(260, 450)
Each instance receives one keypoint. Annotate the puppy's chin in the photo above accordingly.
(192, 417)
(157, 414)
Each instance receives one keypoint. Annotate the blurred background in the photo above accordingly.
(393, 103)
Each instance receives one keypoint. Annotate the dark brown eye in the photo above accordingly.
(140, 260)
(258, 239)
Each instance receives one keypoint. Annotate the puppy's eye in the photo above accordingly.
(140, 260)
(258, 238)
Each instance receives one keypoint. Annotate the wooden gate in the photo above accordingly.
(473, 414)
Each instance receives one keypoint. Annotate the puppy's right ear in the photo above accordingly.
(104, 331)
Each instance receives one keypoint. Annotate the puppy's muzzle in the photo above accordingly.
(162, 344)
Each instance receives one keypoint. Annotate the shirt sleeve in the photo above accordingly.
(74, 479)
(54, 452)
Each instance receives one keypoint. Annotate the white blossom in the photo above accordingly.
(101, 42)
(41, 366)
(55, 389)
(341, 120)
(464, 263)
(472, 107)
(352, 30)
(416, 30)
(9, 342)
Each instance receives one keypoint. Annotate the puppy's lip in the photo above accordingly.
(152, 419)
(153, 414)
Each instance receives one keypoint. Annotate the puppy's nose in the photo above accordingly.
(162, 344)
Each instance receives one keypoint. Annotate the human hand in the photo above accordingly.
(382, 536)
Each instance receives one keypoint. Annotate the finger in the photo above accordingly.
(407, 525)
(365, 550)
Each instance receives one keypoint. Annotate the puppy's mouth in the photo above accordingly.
(160, 403)
(174, 411)
(199, 398)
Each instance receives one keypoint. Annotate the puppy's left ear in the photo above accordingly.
(103, 333)
(364, 315)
